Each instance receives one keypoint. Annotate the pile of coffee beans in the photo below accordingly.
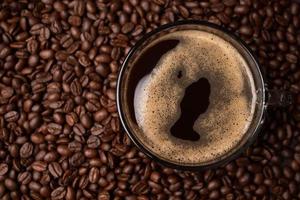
(60, 135)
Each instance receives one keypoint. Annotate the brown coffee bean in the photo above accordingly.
(281, 20)
(291, 58)
(24, 177)
(214, 184)
(119, 42)
(90, 153)
(137, 31)
(246, 30)
(37, 138)
(84, 60)
(103, 58)
(26, 150)
(230, 2)
(54, 128)
(287, 172)
(35, 122)
(93, 142)
(79, 8)
(79, 129)
(241, 9)
(86, 121)
(76, 88)
(32, 46)
(70, 193)
(297, 157)
(128, 27)
(111, 93)
(3, 169)
(11, 116)
(6, 92)
(55, 169)
(94, 175)
(215, 194)
(100, 115)
(74, 20)
(50, 156)
(66, 41)
(140, 188)
(46, 54)
(261, 190)
(13, 150)
(245, 179)
(71, 118)
(103, 195)
(10, 184)
(217, 7)
(45, 191)
(73, 48)
(63, 150)
(77, 159)
(39, 166)
(58, 193)
(74, 146)
(34, 186)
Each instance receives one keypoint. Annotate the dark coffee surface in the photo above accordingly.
(195, 102)
(60, 136)
(146, 63)
(199, 95)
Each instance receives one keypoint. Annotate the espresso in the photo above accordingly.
(192, 96)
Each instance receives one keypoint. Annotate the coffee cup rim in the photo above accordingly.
(192, 167)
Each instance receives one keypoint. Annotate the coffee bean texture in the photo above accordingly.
(60, 134)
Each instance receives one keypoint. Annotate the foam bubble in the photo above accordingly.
(232, 100)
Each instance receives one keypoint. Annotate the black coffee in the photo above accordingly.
(191, 95)
(192, 105)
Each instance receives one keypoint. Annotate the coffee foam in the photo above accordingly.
(232, 99)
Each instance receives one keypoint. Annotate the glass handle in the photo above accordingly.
(279, 98)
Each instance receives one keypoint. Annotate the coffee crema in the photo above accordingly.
(193, 96)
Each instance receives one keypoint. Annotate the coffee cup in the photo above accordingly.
(191, 95)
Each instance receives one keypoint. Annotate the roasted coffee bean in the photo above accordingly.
(55, 169)
(46, 54)
(3, 169)
(241, 9)
(11, 116)
(86, 121)
(140, 188)
(37, 138)
(94, 175)
(54, 128)
(39, 166)
(71, 119)
(58, 193)
(10, 184)
(32, 46)
(26, 150)
(79, 129)
(128, 27)
(291, 58)
(100, 115)
(214, 184)
(74, 146)
(93, 142)
(77, 159)
(7, 92)
(76, 88)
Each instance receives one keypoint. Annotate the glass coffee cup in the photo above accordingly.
(128, 83)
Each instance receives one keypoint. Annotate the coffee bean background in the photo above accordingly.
(60, 135)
